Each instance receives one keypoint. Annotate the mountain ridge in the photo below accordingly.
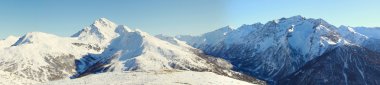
(280, 47)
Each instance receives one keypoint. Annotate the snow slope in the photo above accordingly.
(42, 57)
(9, 41)
(152, 78)
(373, 37)
(363, 36)
(351, 35)
(173, 41)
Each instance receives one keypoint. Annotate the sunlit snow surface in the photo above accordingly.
(152, 78)
(7, 42)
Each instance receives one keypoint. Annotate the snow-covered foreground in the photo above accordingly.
(152, 78)
(6, 78)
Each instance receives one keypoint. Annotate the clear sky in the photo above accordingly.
(173, 17)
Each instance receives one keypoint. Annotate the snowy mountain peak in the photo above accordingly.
(104, 27)
(101, 32)
(304, 34)
(103, 22)
(33, 37)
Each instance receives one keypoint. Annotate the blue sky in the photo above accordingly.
(173, 17)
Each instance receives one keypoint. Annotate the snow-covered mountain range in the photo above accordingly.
(276, 50)
(104, 47)
(286, 51)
